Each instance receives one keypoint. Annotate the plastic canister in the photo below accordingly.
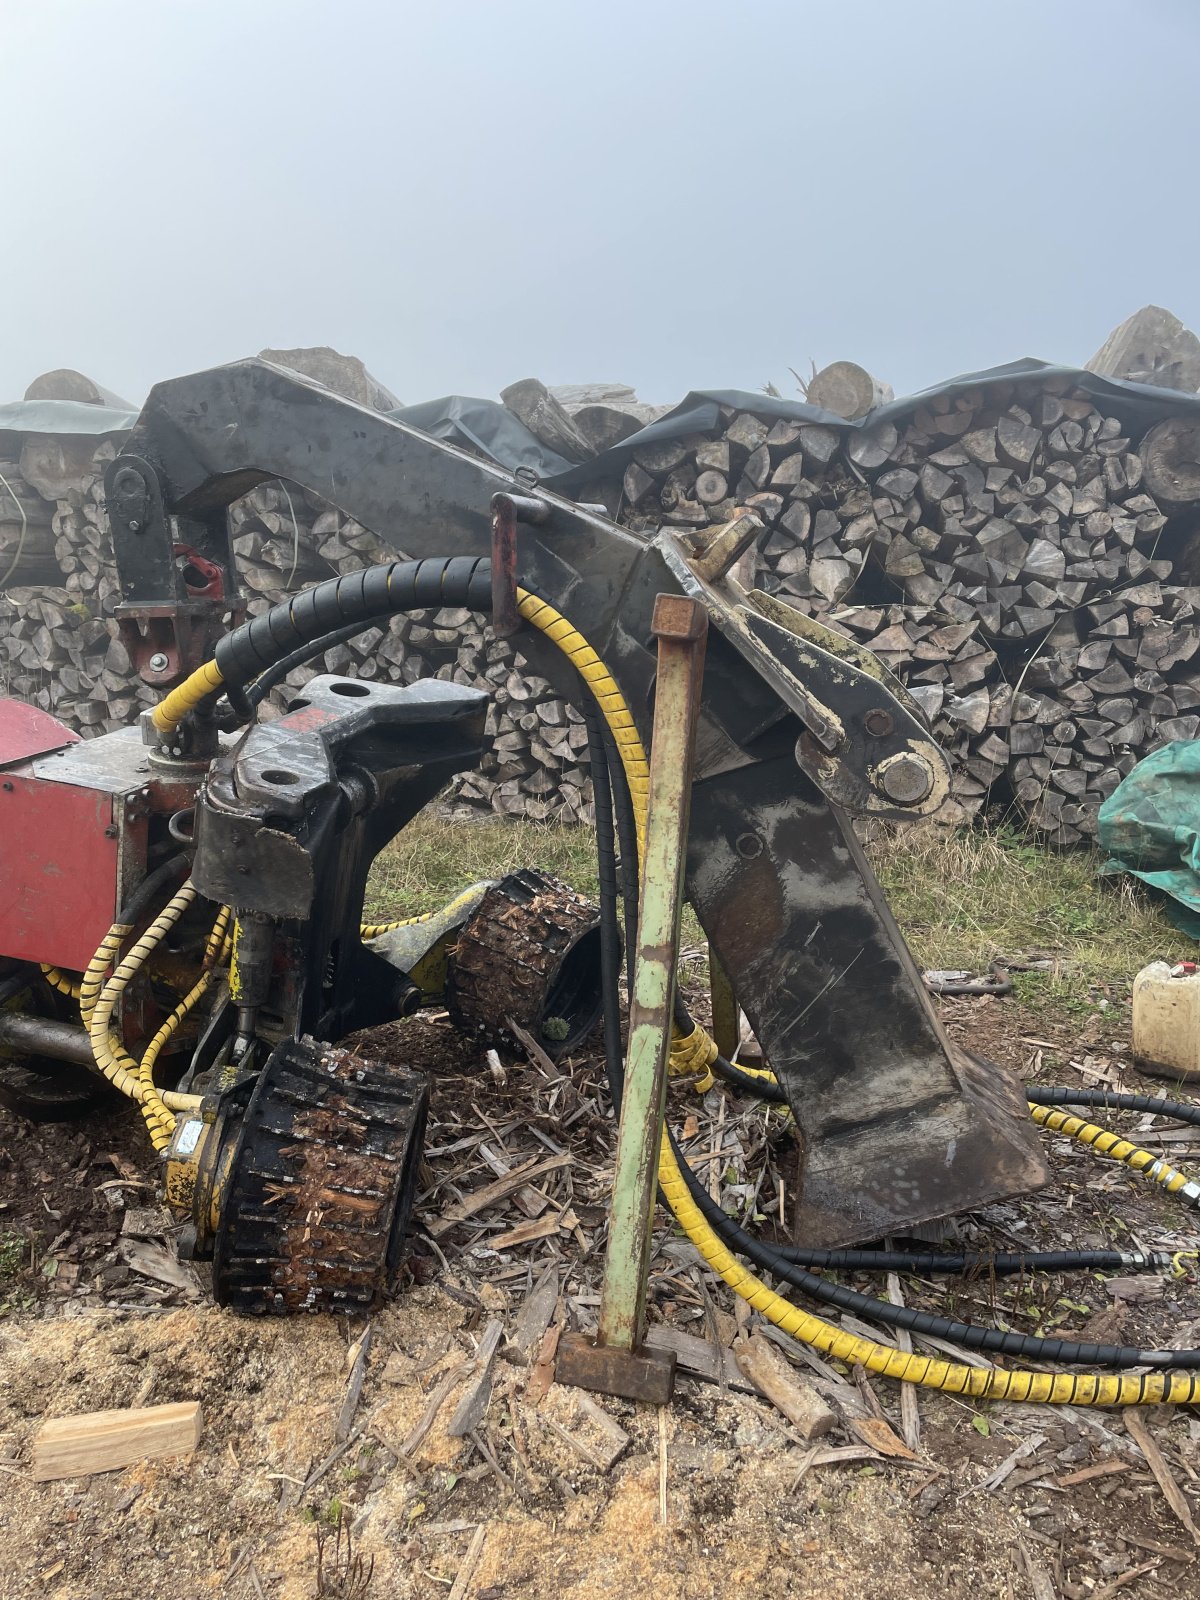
(1166, 1020)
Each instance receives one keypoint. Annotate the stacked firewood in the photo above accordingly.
(1015, 558)
(82, 538)
(1015, 514)
(1122, 678)
(55, 654)
(1000, 550)
(58, 644)
(26, 534)
(805, 485)
(535, 762)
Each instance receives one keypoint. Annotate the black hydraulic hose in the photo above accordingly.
(1027, 1346)
(627, 841)
(761, 1088)
(359, 598)
(975, 1263)
(287, 635)
(1111, 1100)
(148, 894)
(258, 691)
(606, 868)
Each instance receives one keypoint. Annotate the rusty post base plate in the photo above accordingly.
(633, 1374)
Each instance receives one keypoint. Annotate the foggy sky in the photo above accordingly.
(675, 194)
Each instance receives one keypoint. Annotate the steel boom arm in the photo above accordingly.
(898, 1126)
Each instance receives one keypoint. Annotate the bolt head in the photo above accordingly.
(159, 662)
(906, 780)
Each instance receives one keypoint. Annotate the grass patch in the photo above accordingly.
(13, 1252)
(974, 897)
(434, 858)
(963, 900)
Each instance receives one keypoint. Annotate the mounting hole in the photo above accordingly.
(355, 691)
(748, 845)
(278, 776)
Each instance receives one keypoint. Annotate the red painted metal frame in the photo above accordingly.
(27, 731)
(58, 870)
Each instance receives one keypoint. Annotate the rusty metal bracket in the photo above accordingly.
(507, 511)
(726, 1023)
(616, 1363)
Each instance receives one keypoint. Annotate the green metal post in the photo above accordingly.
(616, 1363)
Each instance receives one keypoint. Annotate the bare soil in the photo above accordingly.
(748, 1509)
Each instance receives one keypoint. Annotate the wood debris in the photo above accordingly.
(779, 1383)
(470, 1561)
(491, 1194)
(102, 1441)
(359, 1358)
(1137, 1430)
(474, 1401)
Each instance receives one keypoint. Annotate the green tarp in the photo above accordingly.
(1150, 827)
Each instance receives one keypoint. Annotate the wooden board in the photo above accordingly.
(103, 1441)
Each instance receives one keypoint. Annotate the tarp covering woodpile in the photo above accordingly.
(1019, 545)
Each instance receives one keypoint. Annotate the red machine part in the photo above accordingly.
(27, 731)
(72, 834)
(58, 870)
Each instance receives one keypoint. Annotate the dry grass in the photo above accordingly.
(434, 858)
(973, 897)
(963, 899)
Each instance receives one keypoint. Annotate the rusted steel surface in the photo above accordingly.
(681, 627)
(726, 1031)
(898, 1127)
(507, 511)
(321, 1184)
(644, 1374)
(531, 951)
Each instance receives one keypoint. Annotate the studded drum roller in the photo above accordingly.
(320, 1185)
(529, 952)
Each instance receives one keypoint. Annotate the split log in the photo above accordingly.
(1170, 456)
(603, 426)
(1151, 346)
(847, 390)
(541, 413)
(64, 383)
(103, 1441)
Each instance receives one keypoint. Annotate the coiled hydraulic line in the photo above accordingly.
(99, 993)
(701, 1218)
(60, 981)
(111, 1058)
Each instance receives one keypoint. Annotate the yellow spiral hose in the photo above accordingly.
(994, 1383)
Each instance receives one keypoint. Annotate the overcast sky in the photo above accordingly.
(673, 193)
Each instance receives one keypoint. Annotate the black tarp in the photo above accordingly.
(486, 428)
(490, 429)
(1137, 405)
